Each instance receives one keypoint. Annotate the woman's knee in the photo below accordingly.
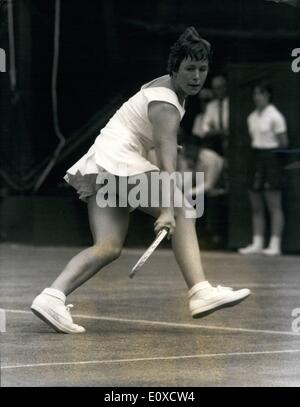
(107, 251)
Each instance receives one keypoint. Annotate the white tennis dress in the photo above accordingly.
(123, 144)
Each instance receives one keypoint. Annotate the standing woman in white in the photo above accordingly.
(149, 119)
(268, 132)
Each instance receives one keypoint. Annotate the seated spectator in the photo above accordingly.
(212, 129)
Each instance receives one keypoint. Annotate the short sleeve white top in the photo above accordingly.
(264, 126)
(123, 144)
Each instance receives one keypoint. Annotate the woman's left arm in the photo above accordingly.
(282, 139)
(280, 130)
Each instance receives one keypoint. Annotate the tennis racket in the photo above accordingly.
(159, 238)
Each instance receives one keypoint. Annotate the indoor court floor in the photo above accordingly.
(139, 331)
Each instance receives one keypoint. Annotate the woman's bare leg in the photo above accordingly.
(258, 224)
(109, 228)
(185, 247)
(203, 298)
(186, 250)
(258, 216)
(274, 205)
(212, 165)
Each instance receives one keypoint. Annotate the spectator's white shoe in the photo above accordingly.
(211, 299)
(251, 249)
(55, 313)
(269, 251)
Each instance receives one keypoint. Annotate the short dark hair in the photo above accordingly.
(189, 44)
(265, 87)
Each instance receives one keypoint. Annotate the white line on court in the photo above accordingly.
(171, 324)
(153, 359)
(263, 285)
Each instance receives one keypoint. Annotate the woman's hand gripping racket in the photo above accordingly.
(159, 238)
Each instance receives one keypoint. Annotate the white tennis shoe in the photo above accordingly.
(270, 251)
(55, 313)
(211, 299)
(251, 249)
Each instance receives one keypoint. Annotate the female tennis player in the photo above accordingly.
(149, 119)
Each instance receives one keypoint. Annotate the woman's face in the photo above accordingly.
(191, 76)
(261, 98)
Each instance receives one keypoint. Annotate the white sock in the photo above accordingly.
(258, 241)
(53, 292)
(199, 287)
(275, 243)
